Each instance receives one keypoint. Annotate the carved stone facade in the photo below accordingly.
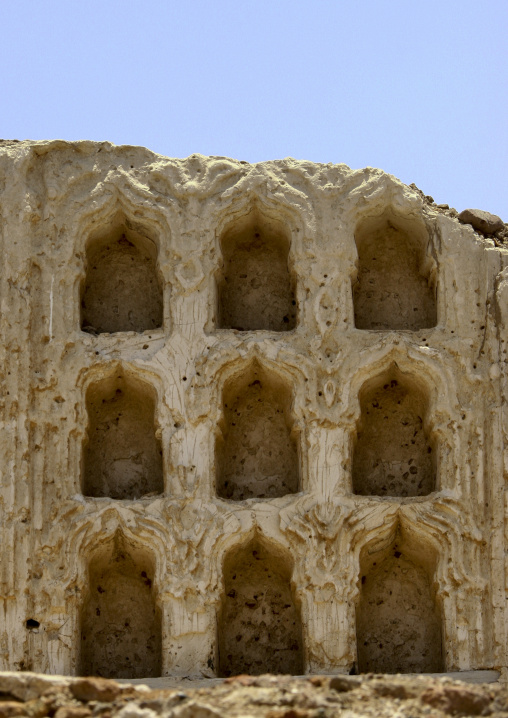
(253, 418)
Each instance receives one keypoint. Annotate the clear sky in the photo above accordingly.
(418, 89)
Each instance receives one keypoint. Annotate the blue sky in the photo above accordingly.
(417, 89)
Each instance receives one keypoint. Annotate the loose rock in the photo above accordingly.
(268, 696)
(95, 689)
(482, 221)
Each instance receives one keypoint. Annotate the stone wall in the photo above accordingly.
(253, 418)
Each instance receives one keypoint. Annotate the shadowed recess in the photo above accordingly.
(120, 622)
(259, 625)
(393, 453)
(256, 452)
(122, 290)
(122, 457)
(398, 620)
(393, 288)
(255, 287)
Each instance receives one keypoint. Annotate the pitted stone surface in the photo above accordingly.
(167, 309)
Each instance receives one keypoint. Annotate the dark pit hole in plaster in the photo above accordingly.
(256, 289)
(122, 455)
(259, 626)
(393, 287)
(256, 448)
(32, 623)
(393, 452)
(122, 289)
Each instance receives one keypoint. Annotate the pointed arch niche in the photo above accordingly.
(122, 288)
(122, 454)
(256, 447)
(394, 452)
(120, 619)
(259, 626)
(395, 284)
(256, 288)
(398, 616)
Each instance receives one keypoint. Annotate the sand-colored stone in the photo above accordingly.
(128, 329)
(246, 696)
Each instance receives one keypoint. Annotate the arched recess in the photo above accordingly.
(122, 287)
(120, 617)
(259, 624)
(257, 443)
(394, 448)
(122, 455)
(256, 287)
(395, 284)
(398, 615)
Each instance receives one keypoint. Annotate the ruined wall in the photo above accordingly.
(253, 417)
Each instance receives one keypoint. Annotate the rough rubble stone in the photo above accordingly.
(10, 709)
(95, 689)
(457, 700)
(482, 221)
(26, 686)
(269, 696)
(72, 712)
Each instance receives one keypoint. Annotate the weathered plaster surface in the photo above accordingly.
(55, 199)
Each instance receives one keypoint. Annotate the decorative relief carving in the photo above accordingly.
(319, 537)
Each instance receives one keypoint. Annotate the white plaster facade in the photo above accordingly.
(54, 196)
